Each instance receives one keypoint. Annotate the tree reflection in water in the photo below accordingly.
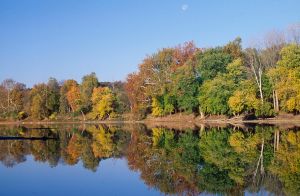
(213, 160)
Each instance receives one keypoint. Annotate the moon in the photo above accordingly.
(184, 7)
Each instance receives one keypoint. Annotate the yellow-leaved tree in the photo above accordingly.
(103, 101)
(244, 99)
(157, 108)
(285, 78)
(103, 145)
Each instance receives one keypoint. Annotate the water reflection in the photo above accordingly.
(224, 160)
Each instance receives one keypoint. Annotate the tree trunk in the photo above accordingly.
(202, 129)
(274, 142)
(202, 115)
(260, 86)
(277, 102)
(274, 100)
(8, 99)
(82, 115)
(260, 161)
(262, 170)
(278, 137)
(258, 79)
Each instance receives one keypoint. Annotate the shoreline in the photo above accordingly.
(155, 120)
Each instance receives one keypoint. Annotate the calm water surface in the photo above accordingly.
(136, 160)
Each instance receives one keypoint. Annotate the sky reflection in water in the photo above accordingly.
(113, 177)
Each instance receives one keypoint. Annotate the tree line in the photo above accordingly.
(225, 80)
(90, 99)
(262, 80)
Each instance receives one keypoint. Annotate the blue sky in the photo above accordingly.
(71, 38)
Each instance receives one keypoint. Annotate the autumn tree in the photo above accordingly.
(12, 96)
(253, 60)
(135, 90)
(273, 42)
(154, 78)
(103, 101)
(64, 106)
(122, 100)
(234, 48)
(74, 98)
(286, 79)
(286, 165)
(243, 99)
(39, 98)
(263, 57)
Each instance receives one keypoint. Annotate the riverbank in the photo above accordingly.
(283, 117)
(183, 121)
(180, 119)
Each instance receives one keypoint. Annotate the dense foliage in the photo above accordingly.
(225, 80)
(65, 100)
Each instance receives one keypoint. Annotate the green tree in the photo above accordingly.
(163, 105)
(215, 94)
(157, 106)
(169, 103)
(185, 88)
(89, 82)
(53, 95)
(211, 62)
(37, 110)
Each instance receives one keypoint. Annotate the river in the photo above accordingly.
(133, 159)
